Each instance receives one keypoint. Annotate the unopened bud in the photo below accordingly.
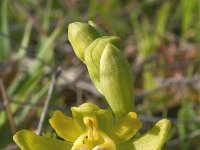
(115, 78)
(81, 35)
(93, 55)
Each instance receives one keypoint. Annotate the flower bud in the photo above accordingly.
(93, 55)
(81, 35)
(116, 81)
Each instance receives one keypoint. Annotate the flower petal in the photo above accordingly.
(151, 140)
(27, 140)
(65, 126)
(125, 128)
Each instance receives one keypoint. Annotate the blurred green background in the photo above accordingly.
(160, 38)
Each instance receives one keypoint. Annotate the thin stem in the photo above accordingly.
(6, 103)
(47, 101)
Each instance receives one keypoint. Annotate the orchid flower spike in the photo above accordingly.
(90, 127)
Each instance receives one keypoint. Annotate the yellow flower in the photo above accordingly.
(92, 128)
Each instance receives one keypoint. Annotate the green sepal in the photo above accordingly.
(115, 78)
(93, 55)
(28, 140)
(81, 35)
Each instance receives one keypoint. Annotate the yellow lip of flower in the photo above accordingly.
(93, 138)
